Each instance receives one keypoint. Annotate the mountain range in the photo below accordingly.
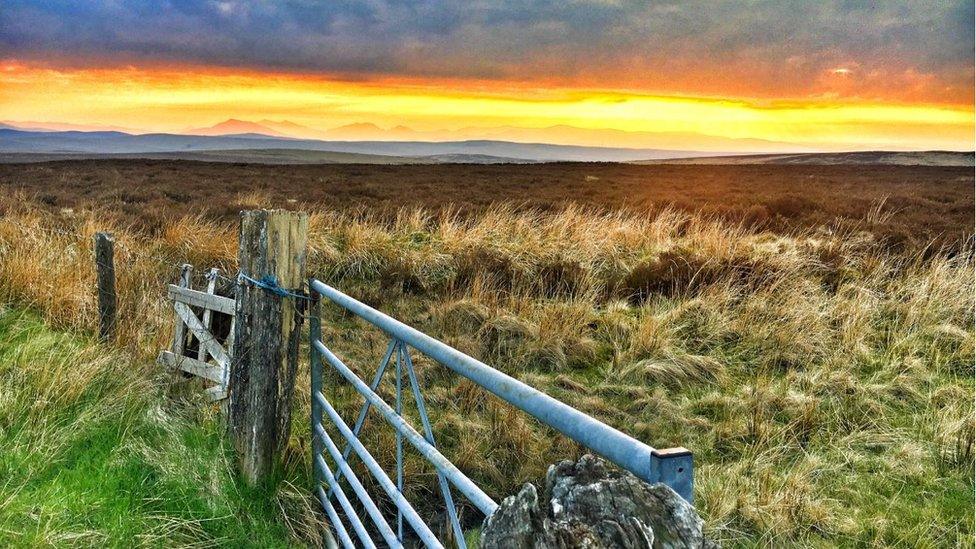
(556, 135)
(286, 142)
(367, 131)
(209, 139)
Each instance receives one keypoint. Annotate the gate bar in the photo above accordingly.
(429, 435)
(672, 466)
(357, 524)
(361, 419)
(371, 509)
(381, 477)
(334, 517)
(480, 500)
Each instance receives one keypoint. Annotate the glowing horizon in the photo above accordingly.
(687, 74)
(174, 100)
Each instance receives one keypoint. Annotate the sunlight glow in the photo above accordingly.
(174, 99)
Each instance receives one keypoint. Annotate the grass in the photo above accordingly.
(823, 377)
(94, 454)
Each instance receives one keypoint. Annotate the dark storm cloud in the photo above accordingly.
(788, 47)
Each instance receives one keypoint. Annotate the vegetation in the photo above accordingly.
(823, 376)
(932, 202)
(95, 455)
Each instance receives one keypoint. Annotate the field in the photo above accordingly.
(806, 330)
(927, 203)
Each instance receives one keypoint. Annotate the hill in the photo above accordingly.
(891, 158)
(933, 202)
(238, 128)
(249, 156)
(239, 141)
(112, 142)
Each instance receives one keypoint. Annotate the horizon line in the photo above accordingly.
(795, 148)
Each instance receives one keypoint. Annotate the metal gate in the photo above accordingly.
(671, 466)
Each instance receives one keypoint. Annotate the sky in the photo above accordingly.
(744, 75)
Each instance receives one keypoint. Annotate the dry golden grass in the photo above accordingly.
(824, 380)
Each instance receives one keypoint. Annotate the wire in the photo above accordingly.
(270, 283)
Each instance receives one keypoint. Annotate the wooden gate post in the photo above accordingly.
(266, 337)
(105, 273)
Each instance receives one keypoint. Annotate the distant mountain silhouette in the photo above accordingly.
(291, 129)
(35, 126)
(235, 127)
(23, 146)
(555, 135)
(74, 142)
(360, 131)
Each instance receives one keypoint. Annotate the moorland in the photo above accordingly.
(929, 202)
(806, 330)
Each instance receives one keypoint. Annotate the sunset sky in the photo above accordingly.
(716, 75)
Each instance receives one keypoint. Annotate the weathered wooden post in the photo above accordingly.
(179, 338)
(105, 273)
(207, 319)
(266, 337)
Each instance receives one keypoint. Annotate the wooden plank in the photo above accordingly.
(230, 349)
(201, 299)
(208, 313)
(192, 366)
(205, 338)
(179, 334)
(216, 393)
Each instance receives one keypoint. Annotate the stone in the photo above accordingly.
(589, 504)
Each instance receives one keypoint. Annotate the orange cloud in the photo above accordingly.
(917, 52)
(178, 97)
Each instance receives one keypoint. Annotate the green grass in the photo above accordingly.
(93, 453)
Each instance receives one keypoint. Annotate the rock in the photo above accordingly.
(589, 504)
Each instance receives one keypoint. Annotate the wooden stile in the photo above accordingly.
(205, 338)
(256, 370)
(209, 348)
(192, 366)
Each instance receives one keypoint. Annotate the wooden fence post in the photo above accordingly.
(266, 336)
(105, 272)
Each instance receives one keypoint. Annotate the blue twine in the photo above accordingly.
(270, 283)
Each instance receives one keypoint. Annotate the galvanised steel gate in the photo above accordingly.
(672, 466)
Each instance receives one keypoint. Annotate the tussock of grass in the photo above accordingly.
(824, 378)
(94, 455)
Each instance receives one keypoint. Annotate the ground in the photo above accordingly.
(928, 202)
(802, 339)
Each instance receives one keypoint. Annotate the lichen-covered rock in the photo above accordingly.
(588, 504)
